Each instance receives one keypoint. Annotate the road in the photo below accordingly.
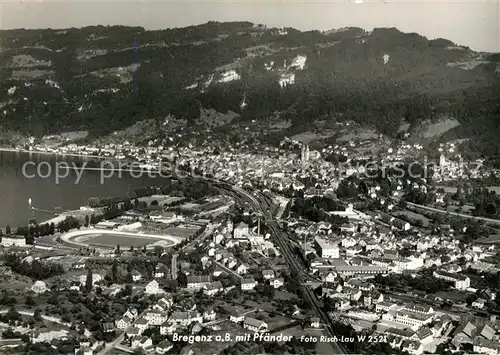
(207, 232)
(295, 264)
(229, 271)
(47, 318)
(432, 209)
(117, 341)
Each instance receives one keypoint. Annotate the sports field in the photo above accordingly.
(116, 239)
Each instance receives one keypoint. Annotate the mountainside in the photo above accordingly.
(103, 79)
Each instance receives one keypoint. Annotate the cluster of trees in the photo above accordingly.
(35, 231)
(315, 209)
(35, 269)
(424, 282)
(11, 317)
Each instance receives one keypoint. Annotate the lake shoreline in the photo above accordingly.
(41, 152)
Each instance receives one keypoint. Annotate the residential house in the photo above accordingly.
(161, 270)
(423, 335)
(485, 346)
(163, 347)
(241, 230)
(248, 284)
(464, 333)
(418, 308)
(348, 228)
(231, 262)
(198, 281)
(353, 294)
(236, 315)
(218, 271)
(479, 303)
(255, 325)
(123, 323)
(342, 304)
(132, 331)
(136, 276)
(461, 282)
(142, 324)
(376, 296)
(153, 288)
(131, 313)
(164, 304)
(108, 327)
(141, 342)
(213, 288)
(186, 318)
(39, 287)
(242, 269)
(330, 277)
(359, 284)
(348, 242)
(413, 347)
(155, 317)
(46, 336)
(168, 327)
(385, 306)
(268, 274)
(315, 322)
(209, 315)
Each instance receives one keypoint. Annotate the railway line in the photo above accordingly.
(262, 206)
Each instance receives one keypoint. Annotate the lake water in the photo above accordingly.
(18, 185)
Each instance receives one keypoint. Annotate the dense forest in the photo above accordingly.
(345, 78)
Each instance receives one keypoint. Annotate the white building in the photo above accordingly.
(186, 318)
(213, 288)
(198, 281)
(240, 231)
(123, 323)
(153, 288)
(278, 282)
(164, 304)
(95, 278)
(248, 284)
(413, 319)
(39, 287)
(255, 325)
(461, 282)
(141, 342)
(10, 241)
(327, 249)
(156, 317)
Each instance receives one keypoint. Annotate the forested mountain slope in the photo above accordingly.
(106, 78)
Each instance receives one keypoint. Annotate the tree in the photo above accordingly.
(12, 315)
(30, 301)
(87, 221)
(7, 230)
(37, 315)
(88, 284)
(114, 271)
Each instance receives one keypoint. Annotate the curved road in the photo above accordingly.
(432, 209)
(70, 236)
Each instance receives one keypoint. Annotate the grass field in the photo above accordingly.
(114, 240)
